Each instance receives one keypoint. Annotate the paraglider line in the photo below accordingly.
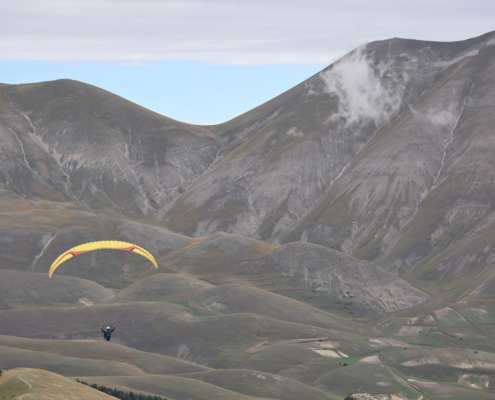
(92, 315)
(120, 304)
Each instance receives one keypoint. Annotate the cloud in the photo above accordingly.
(224, 32)
(439, 116)
(365, 91)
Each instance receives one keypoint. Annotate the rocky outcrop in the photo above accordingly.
(345, 278)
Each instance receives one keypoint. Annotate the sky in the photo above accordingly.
(205, 62)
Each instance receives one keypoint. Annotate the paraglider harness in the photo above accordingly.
(108, 332)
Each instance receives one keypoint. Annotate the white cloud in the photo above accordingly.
(224, 32)
(362, 91)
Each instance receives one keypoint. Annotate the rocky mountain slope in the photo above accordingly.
(279, 159)
(385, 155)
(97, 149)
(338, 235)
(424, 186)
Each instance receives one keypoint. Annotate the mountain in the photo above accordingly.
(422, 190)
(280, 158)
(69, 140)
(385, 155)
(339, 236)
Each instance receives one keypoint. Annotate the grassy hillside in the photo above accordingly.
(163, 328)
(24, 289)
(182, 388)
(36, 384)
(68, 366)
(98, 351)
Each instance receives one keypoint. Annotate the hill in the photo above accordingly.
(28, 383)
(375, 167)
(339, 236)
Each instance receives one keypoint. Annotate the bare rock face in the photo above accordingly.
(96, 148)
(344, 277)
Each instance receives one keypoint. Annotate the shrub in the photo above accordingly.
(120, 394)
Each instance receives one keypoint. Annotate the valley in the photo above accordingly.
(337, 239)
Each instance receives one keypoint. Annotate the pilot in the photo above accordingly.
(108, 332)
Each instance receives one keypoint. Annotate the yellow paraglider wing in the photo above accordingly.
(110, 244)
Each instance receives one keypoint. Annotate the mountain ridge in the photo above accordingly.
(382, 118)
(337, 236)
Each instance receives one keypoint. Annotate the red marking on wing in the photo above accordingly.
(130, 248)
(73, 253)
(136, 247)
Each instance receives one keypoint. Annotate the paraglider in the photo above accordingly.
(110, 244)
(108, 332)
